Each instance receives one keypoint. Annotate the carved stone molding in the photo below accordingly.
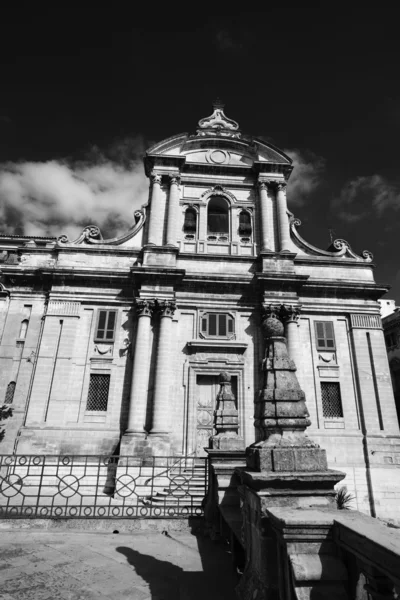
(145, 308)
(281, 186)
(175, 179)
(92, 234)
(155, 178)
(285, 313)
(218, 190)
(166, 308)
(338, 248)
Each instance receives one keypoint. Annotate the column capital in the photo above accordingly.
(285, 313)
(166, 308)
(144, 308)
(175, 179)
(155, 177)
(281, 186)
(265, 184)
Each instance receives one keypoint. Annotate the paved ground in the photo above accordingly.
(144, 565)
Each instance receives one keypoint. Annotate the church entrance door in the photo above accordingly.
(207, 389)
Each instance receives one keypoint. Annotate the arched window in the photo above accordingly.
(24, 329)
(190, 224)
(10, 393)
(244, 224)
(218, 215)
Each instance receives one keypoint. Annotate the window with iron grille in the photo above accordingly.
(99, 386)
(325, 336)
(105, 329)
(217, 325)
(331, 400)
(10, 393)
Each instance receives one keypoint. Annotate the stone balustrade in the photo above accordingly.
(314, 553)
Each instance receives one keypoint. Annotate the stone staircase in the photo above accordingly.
(187, 488)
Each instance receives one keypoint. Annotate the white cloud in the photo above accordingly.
(307, 175)
(54, 197)
(365, 195)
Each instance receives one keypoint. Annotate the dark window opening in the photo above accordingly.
(325, 336)
(190, 224)
(106, 325)
(390, 339)
(331, 401)
(217, 325)
(24, 329)
(99, 386)
(244, 223)
(217, 216)
(10, 393)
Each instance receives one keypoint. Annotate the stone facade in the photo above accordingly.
(391, 329)
(117, 345)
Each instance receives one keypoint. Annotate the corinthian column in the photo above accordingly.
(163, 373)
(173, 207)
(267, 217)
(283, 221)
(141, 368)
(155, 233)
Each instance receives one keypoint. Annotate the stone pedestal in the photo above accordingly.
(222, 495)
(285, 468)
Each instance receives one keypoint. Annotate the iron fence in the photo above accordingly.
(109, 487)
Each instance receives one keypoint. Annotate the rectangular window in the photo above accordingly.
(324, 335)
(331, 400)
(99, 386)
(217, 325)
(105, 329)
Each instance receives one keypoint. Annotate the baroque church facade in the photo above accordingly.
(117, 345)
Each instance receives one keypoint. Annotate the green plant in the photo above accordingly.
(343, 498)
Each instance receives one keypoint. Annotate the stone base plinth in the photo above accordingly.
(222, 488)
(285, 459)
(293, 489)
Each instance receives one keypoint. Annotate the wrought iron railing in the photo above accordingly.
(111, 487)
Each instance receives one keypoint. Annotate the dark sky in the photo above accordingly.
(322, 78)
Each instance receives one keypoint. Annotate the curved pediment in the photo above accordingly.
(218, 151)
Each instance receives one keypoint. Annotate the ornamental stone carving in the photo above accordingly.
(155, 178)
(166, 308)
(283, 313)
(281, 414)
(175, 179)
(145, 308)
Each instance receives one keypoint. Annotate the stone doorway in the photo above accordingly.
(207, 388)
